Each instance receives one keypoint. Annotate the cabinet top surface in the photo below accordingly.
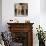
(19, 23)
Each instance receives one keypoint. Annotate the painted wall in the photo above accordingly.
(43, 14)
(0, 15)
(43, 6)
(34, 15)
(8, 11)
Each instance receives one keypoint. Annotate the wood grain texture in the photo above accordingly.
(23, 27)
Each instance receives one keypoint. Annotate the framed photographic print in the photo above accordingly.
(21, 9)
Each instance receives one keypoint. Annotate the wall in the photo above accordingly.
(43, 14)
(43, 6)
(0, 15)
(35, 15)
(8, 11)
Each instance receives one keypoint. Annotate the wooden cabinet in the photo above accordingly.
(22, 33)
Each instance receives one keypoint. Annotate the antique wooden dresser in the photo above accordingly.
(22, 33)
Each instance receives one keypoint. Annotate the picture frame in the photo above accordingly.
(21, 9)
